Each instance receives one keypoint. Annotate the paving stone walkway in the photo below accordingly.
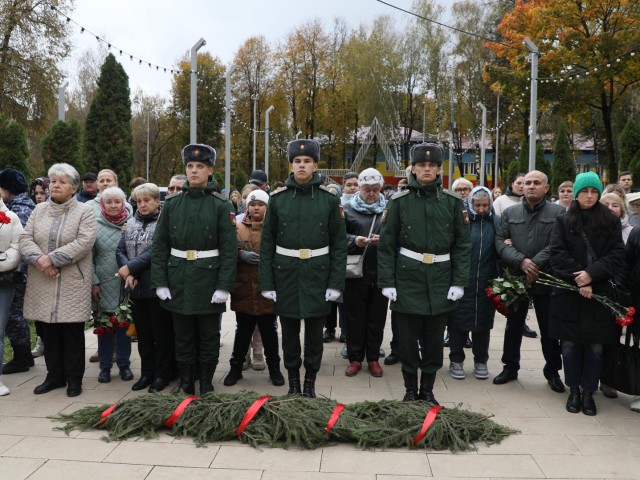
(553, 444)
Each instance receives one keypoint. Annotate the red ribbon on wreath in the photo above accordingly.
(335, 415)
(106, 413)
(173, 418)
(428, 421)
(251, 412)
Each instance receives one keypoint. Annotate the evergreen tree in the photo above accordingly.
(542, 164)
(519, 165)
(629, 143)
(240, 179)
(14, 152)
(634, 165)
(108, 139)
(63, 144)
(563, 166)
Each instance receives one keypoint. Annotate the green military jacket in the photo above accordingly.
(303, 217)
(424, 219)
(198, 219)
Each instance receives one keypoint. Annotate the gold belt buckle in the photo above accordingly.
(192, 254)
(305, 254)
(428, 258)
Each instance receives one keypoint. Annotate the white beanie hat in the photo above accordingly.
(370, 176)
(259, 195)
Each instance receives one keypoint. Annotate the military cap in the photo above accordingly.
(309, 148)
(427, 152)
(198, 152)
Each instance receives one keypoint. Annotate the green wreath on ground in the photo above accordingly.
(290, 420)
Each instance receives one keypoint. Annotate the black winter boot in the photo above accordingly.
(574, 401)
(411, 386)
(276, 376)
(186, 379)
(206, 377)
(588, 405)
(294, 383)
(309, 388)
(426, 388)
(234, 375)
(21, 360)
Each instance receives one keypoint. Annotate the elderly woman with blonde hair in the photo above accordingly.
(56, 244)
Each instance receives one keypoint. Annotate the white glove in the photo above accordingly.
(163, 293)
(390, 293)
(455, 293)
(220, 296)
(331, 295)
(269, 294)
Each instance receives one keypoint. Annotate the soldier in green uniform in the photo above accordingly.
(303, 259)
(423, 266)
(193, 266)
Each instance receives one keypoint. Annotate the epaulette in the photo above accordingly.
(328, 190)
(452, 193)
(400, 194)
(278, 190)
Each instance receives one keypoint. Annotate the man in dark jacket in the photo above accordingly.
(528, 226)
(193, 266)
(303, 260)
(89, 187)
(423, 266)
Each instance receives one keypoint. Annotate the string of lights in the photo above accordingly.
(276, 137)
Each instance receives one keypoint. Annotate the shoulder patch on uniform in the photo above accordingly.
(400, 194)
(452, 193)
(328, 190)
(384, 215)
(232, 217)
(465, 215)
(278, 190)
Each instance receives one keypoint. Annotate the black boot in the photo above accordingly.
(426, 388)
(20, 363)
(309, 388)
(234, 374)
(206, 378)
(411, 386)
(574, 400)
(186, 378)
(276, 376)
(588, 405)
(294, 383)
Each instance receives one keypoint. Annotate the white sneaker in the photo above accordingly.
(480, 371)
(258, 362)
(4, 390)
(456, 370)
(635, 405)
(38, 350)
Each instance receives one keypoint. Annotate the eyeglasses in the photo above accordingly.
(172, 189)
(462, 190)
(374, 178)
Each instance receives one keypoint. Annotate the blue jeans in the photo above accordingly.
(123, 349)
(582, 364)
(6, 297)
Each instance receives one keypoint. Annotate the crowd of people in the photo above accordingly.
(315, 251)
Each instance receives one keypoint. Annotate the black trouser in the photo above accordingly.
(480, 348)
(331, 321)
(197, 333)
(366, 309)
(246, 324)
(431, 328)
(513, 337)
(64, 354)
(313, 344)
(17, 329)
(154, 327)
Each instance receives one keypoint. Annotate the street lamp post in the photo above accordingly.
(495, 157)
(298, 134)
(227, 127)
(424, 117)
(194, 89)
(148, 135)
(254, 97)
(266, 140)
(483, 140)
(533, 106)
(63, 86)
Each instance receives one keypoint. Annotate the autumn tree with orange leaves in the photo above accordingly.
(587, 55)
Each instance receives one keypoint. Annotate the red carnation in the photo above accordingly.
(113, 320)
(4, 218)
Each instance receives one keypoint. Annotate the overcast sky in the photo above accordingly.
(161, 31)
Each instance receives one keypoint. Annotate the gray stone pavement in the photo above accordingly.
(553, 444)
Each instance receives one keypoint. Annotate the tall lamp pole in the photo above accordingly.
(483, 140)
(148, 135)
(227, 128)
(495, 158)
(298, 134)
(266, 140)
(194, 89)
(254, 97)
(424, 116)
(533, 105)
(63, 86)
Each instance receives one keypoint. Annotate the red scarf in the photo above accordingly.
(116, 220)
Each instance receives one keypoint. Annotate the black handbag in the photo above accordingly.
(621, 366)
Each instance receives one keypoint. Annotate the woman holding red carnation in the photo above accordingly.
(586, 249)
